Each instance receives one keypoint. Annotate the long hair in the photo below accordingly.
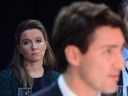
(17, 65)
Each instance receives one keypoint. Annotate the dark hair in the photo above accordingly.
(121, 8)
(76, 24)
(17, 61)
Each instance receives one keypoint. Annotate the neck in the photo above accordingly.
(35, 70)
(78, 86)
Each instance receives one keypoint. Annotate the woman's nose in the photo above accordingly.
(34, 46)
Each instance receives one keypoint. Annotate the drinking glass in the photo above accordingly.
(24, 91)
(122, 91)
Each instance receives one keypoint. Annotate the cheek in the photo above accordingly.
(98, 64)
(94, 68)
(103, 64)
(42, 48)
(99, 70)
(25, 51)
(89, 65)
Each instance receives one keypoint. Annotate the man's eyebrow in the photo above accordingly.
(113, 46)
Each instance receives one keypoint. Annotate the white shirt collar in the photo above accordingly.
(65, 90)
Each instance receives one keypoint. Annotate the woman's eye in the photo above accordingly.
(39, 40)
(25, 42)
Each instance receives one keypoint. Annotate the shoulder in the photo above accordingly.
(8, 84)
(52, 90)
(6, 73)
(6, 76)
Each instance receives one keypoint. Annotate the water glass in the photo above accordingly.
(24, 91)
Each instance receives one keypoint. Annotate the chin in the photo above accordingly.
(110, 90)
(35, 60)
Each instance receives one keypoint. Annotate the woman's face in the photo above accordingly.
(32, 45)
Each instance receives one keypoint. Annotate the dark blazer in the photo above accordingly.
(52, 90)
(9, 85)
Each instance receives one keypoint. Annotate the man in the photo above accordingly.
(87, 42)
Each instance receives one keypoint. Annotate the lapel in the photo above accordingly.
(55, 89)
(52, 90)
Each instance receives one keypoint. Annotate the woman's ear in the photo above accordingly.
(72, 54)
(18, 48)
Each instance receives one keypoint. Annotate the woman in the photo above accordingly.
(32, 62)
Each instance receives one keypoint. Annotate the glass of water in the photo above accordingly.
(24, 91)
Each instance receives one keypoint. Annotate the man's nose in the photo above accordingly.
(120, 61)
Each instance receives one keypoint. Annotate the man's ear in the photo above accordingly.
(72, 54)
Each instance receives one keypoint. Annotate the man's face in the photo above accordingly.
(100, 66)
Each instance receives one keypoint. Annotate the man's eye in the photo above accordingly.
(108, 50)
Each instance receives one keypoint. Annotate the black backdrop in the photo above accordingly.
(13, 12)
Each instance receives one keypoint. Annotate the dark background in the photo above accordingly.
(13, 12)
